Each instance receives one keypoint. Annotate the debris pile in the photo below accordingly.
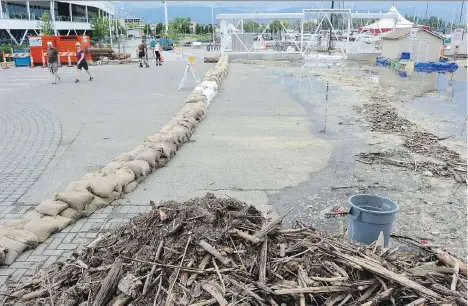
(96, 190)
(210, 250)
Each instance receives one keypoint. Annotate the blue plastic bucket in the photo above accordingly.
(368, 216)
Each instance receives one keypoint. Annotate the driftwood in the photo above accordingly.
(109, 284)
(224, 252)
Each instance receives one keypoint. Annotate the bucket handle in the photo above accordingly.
(354, 213)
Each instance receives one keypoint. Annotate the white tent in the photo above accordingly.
(386, 25)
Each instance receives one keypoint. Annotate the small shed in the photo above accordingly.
(425, 47)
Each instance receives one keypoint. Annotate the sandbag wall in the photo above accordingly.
(122, 175)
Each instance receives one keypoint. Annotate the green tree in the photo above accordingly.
(100, 27)
(147, 30)
(198, 29)
(251, 27)
(46, 25)
(159, 28)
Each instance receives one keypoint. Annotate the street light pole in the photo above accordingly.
(165, 16)
(212, 23)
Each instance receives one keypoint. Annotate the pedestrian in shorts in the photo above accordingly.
(82, 63)
(52, 61)
(142, 50)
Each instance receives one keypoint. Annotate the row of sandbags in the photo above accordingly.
(122, 175)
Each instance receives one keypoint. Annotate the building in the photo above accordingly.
(193, 27)
(133, 25)
(425, 47)
(19, 19)
(387, 24)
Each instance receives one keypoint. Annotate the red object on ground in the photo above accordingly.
(424, 242)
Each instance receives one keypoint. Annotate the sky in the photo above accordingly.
(442, 9)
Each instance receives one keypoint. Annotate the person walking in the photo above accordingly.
(82, 63)
(157, 53)
(52, 61)
(142, 49)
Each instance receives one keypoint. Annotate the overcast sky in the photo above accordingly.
(443, 9)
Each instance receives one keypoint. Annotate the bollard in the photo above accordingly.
(43, 61)
(69, 60)
(5, 65)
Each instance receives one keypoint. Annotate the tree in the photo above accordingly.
(251, 27)
(100, 27)
(147, 30)
(46, 25)
(159, 28)
(198, 29)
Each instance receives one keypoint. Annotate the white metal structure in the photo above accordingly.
(18, 18)
(299, 41)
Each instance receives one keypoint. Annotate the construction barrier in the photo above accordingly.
(5, 65)
(179, 52)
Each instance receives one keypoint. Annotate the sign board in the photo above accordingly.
(457, 36)
(35, 41)
(414, 32)
(85, 39)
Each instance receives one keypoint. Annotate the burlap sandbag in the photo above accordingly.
(162, 162)
(22, 236)
(155, 138)
(76, 199)
(139, 167)
(31, 215)
(41, 228)
(12, 248)
(51, 207)
(130, 187)
(71, 213)
(17, 224)
(96, 204)
(58, 221)
(195, 98)
(124, 157)
(112, 167)
(124, 175)
(166, 148)
(102, 186)
(2, 255)
(150, 156)
(78, 185)
(90, 175)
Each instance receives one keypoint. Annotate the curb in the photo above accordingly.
(122, 175)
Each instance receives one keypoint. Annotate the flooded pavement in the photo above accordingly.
(431, 208)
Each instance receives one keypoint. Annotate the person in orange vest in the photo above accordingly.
(82, 63)
(52, 61)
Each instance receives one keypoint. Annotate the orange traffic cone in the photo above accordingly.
(59, 61)
(43, 61)
(31, 59)
(5, 65)
(69, 60)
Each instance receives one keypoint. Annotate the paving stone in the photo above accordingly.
(18, 275)
(52, 252)
(50, 261)
(69, 238)
(38, 258)
(3, 279)
(7, 271)
(67, 246)
(21, 264)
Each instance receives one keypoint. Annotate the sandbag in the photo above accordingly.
(195, 98)
(13, 249)
(155, 138)
(2, 255)
(124, 157)
(96, 204)
(102, 186)
(130, 187)
(139, 167)
(168, 149)
(31, 215)
(162, 162)
(41, 228)
(22, 236)
(150, 156)
(51, 207)
(124, 175)
(17, 224)
(78, 185)
(71, 213)
(112, 167)
(58, 221)
(90, 175)
(76, 199)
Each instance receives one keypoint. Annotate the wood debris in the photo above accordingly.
(224, 252)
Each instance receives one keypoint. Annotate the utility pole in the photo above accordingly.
(331, 27)
(165, 16)
(425, 15)
(461, 12)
